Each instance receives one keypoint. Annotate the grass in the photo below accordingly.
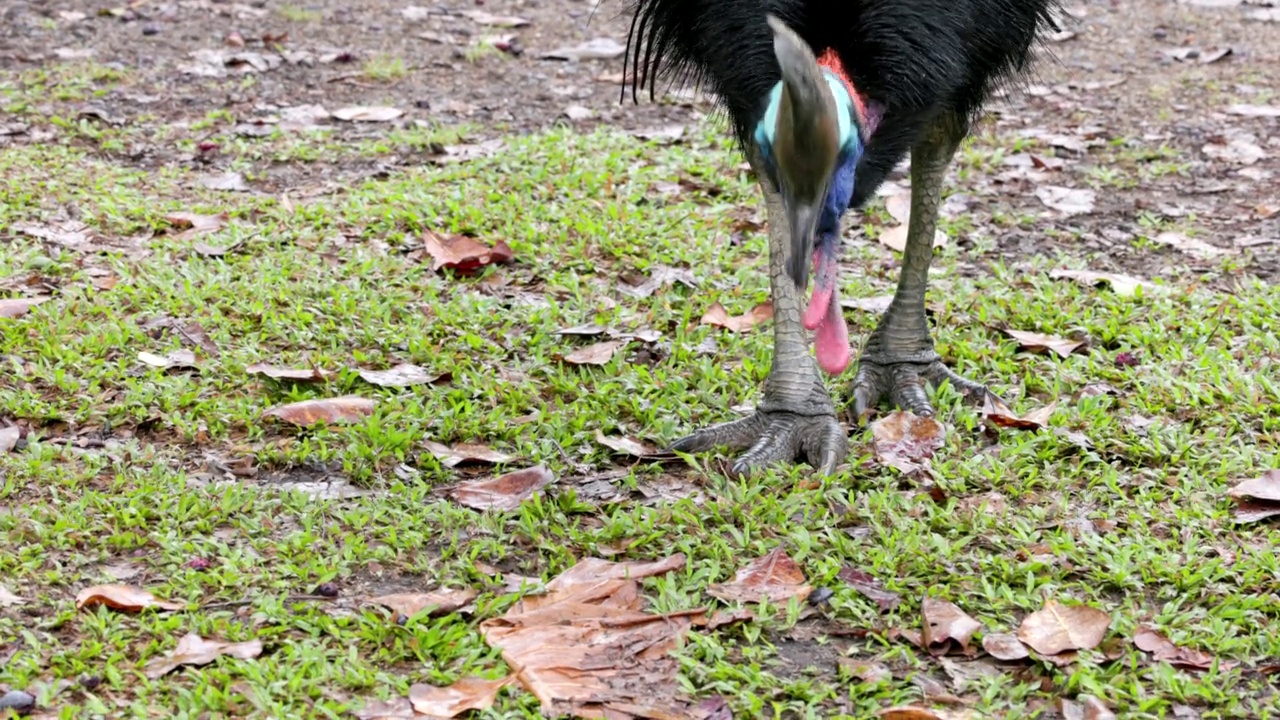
(115, 478)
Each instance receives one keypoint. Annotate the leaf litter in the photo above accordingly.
(628, 446)
(1123, 285)
(1257, 498)
(996, 413)
(125, 598)
(465, 453)
(195, 650)
(945, 626)
(297, 375)
(440, 602)
(503, 493)
(344, 409)
(1147, 639)
(469, 693)
(587, 647)
(774, 577)
(906, 441)
(400, 376)
(1058, 628)
(17, 307)
(462, 254)
(870, 588)
(596, 354)
(1038, 342)
(717, 316)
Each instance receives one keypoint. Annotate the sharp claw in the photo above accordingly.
(772, 438)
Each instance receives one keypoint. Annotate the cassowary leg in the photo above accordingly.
(898, 358)
(795, 418)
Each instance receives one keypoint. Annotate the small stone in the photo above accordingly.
(151, 29)
(18, 701)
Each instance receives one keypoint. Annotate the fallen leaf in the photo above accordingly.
(996, 413)
(1147, 639)
(1004, 646)
(503, 493)
(876, 305)
(870, 588)
(441, 602)
(123, 597)
(720, 618)
(227, 182)
(586, 647)
(943, 623)
(593, 49)
(1068, 201)
(17, 307)
(717, 316)
(1192, 246)
(8, 599)
(467, 152)
(664, 135)
(1120, 284)
(463, 453)
(775, 577)
(175, 359)
(486, 18)
(469, 693)
(9, 437)
(387, 709)
(598, 354)
(1095, 709)
(344, 409)
(866, 670)
(195, 224)
(579, 112)
(195, 650)
(915, 712)
(1236, 150)
(1264, 487)
(1038, 342)
(906, 441)
(627, 446)
(1059, 628)
(1256, 111)
(588, 330)
(463, 254)
(291, 374)
(402, 375)
(361, 113)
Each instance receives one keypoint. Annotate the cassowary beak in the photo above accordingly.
(805, 145)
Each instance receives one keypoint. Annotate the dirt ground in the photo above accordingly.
(1166, 108)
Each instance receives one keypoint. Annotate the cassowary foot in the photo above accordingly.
(902, 379)
(778, 434)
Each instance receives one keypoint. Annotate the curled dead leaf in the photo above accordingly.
(195, 650)
(775, 577)
(627, 446)
(344, 409)
(195, 224)
(402, 375)
(123, 597)
(1004, 646)
(503, 493)
(465, 453)
(1038, 342)
(462, 254)
(1147, 639)
(717, 316)
(597, 354)
(996, 413)
(1068, 201)
(944, 623)
(178, 359)
(1060, 628)
(17, 307)
(1257, 498)
(441, 602)
(469, 693)
(906, 441)
(290, 374)
(1120, 284)
(870, 588)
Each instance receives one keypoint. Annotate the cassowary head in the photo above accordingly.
(807, 130)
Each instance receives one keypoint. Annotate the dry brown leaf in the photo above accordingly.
(866, 670)
(1004, 646)
(588, 330)
(290, 374)
(487, 18)
(870, 588)
(717, 316)
(462, 254)
(177, 359)
(906, 441)
(1147, 639)
(193, 224)
(1192, 246)
(775, 577)
(915, 712)
(627, 446)
(720, 618)
(1261, 111)
(367, 114)
(195, 650)
(464, 453)
(598, 354)
(469, 693)
(601, 48)
(1120, 284)
(8, 599)
(123, 597)
(344, 409)
(1257, 498)
(17, 307)
(1060, 628)
(9, 437)
(943, 623)
(503, 493)
(1038, 342)
(995, 412)
(587, 648)
(402, 375)
(1068, 201)
(441, 602)
(398, 708)
(876, 305)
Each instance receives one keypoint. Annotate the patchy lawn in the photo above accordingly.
(175, 275)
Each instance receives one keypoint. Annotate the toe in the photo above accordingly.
(828, 448)
(868, 388)
(937, 373)
(777, 444)
(909, 391)
(736, 434)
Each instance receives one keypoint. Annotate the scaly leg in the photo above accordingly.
(796, 417)
(898, 358)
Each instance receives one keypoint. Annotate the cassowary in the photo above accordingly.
(825, 98)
